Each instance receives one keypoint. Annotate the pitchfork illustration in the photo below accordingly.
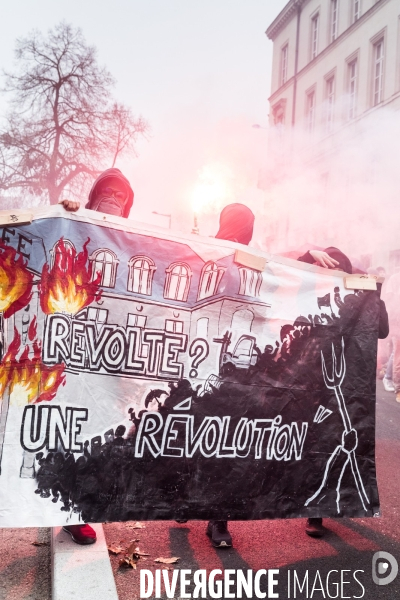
(334, 383)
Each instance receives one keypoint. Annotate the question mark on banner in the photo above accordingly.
(199, 349)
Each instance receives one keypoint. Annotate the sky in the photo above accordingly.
(198, 71)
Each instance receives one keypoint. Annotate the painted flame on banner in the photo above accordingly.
(29, 380)
(67, 286)
(15, 281)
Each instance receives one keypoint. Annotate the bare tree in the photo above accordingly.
(63, 126)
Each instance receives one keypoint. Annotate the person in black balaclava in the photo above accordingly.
(111, 193)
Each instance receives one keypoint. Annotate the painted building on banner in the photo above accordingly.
(156, 294)
(336, 65)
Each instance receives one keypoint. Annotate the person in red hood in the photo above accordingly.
(112, 194)
(236, 223)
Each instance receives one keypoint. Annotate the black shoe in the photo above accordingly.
(314, 527)
(219, 534)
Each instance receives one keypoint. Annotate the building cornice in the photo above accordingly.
(347, 32)
(287, 85)
(284, 17)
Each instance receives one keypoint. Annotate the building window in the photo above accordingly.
(140, 277)
(250, 282)
(173, 326)
(314, 35)
(210, 277)
(242, 320)
(310, 111)
(278, 112)
(98, 315)
(334, 20)
(136, 320)
(330, 102)
(202, 328)
(378, 72)
(177, 283)
(284, 64)
(62, 255)
(356, 10)
(104, 262)
(353, 74)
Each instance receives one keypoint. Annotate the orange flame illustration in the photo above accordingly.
(29, 380)
(15, 281)
(67, 286)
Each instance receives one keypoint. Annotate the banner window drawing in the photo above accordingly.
(133, 387)
(141, 270)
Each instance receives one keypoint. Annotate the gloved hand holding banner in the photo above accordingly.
(150, 375)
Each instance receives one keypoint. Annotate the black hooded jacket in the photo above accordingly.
(112, 174)
(346, 266)
(336, 254)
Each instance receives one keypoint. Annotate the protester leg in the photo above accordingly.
(81, 534)
(388, 378)
(396, 367)
(219, 534)
(314, 527)
(384, 353)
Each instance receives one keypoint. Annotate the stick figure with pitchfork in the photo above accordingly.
(349, 437)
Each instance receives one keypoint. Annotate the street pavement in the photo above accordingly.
(349, 544)
(25, 568)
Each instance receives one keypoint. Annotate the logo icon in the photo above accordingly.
(384, 568)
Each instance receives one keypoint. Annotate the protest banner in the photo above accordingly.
(152, 375)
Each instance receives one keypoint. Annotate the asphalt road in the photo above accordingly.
(24, 567)
(348, 546)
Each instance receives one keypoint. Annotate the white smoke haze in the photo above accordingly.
(317, 190)
(341, 191)
(344, 194)
(200, 173)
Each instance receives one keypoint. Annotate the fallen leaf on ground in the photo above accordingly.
(132, 555)
(137, 525)
(115, 549)
(127, 562)
(133, 549)
(167, 561)
(40, 544)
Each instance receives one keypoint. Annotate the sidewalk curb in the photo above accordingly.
(82, 572)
